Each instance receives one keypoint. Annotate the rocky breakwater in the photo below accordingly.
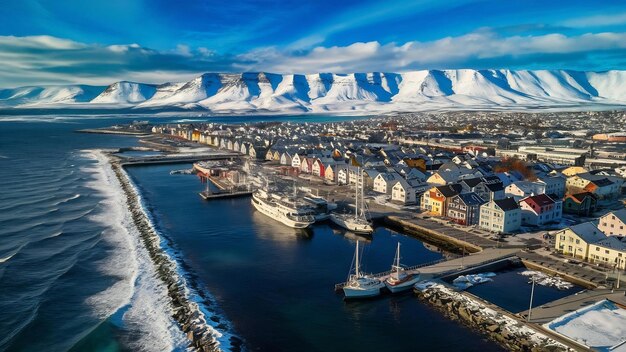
(187, 313)
(508, 332)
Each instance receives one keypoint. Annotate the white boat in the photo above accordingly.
(320, 207)
(357, 223)
(360, 285)
(400, 280)
(288, 214)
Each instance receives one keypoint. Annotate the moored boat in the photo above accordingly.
(360, 285)
(288, 214)
(400, 280)
(357, 222)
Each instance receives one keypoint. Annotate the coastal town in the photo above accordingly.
(547, 196)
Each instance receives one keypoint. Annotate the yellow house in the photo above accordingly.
(575, 240)
(609, 252)
(573, 170)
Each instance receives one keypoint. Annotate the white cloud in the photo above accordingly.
(50, 60)
(465, 50)
(597, 21)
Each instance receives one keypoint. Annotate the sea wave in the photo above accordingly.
(141, 296)
(217, 325)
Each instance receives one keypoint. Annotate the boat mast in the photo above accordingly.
(356, 196)
(362, 197)
(398, 257)
(356, 266)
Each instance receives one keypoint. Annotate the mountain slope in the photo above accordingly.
(125, 93)
(354, 92)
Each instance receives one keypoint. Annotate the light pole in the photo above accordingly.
(619, 271)
(532, 293)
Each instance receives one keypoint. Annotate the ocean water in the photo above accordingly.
(73, 274)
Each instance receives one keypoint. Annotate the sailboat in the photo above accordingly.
(360, 285)
(400, 280)
(357, 223)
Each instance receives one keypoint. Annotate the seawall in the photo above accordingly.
(505, 329)
(439, 239)
(186, 312)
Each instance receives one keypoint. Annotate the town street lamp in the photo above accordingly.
(532, 293)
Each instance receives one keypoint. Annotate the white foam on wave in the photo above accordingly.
(148, 313)
(221, 335)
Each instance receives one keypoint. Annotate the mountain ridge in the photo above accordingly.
(331, 92)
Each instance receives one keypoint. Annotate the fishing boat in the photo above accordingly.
(400, 280)
(360, 285)
(357, 222)
(289, 214)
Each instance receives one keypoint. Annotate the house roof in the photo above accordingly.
(540, 199)
(471, 198)
(580, 197)
(611, 242)
(471, 182)
(620, 214)
(449, 190)
(495, 187)
(507, 204)
(603, 182)
(588, 232)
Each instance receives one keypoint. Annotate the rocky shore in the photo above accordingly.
(186, 312)
(508, 332)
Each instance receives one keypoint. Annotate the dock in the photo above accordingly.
(224, 191)
(176, 159)
(441, 268)
(226, 194)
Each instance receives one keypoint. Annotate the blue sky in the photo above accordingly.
(98, 42)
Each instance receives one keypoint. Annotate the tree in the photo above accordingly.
(515, 164)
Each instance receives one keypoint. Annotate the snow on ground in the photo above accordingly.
(601, 326)
(464, 282)
(546, 280)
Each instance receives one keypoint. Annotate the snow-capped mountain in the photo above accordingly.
(125, 93)
(356, 92)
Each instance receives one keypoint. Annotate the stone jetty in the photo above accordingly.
(187, 313)
(505, 329)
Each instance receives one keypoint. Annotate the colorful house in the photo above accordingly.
(464, 208)
(501, 215)
(580, 203)
(540, 210)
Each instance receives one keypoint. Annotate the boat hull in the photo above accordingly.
(351, 226)
(276, 215)
(403, 286)
(360, 293)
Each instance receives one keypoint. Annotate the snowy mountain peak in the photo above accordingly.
(331, 92)
(125, 93)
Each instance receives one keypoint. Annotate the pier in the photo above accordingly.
(177, 159)
(441, 268)
(226, 194)
(224, 191)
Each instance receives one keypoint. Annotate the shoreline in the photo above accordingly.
(187, 311)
